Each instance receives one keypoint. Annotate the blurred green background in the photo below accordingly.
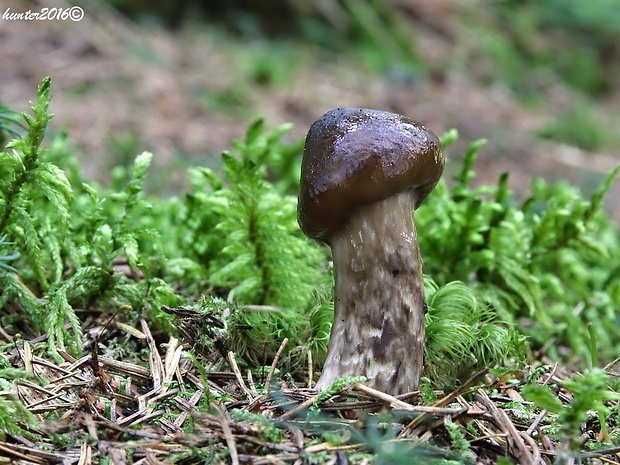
(573, 41)
(539, 80)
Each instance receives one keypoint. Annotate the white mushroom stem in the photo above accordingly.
(378, 328)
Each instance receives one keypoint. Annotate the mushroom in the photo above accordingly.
(363, 174)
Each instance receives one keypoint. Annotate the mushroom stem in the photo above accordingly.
(378, 328)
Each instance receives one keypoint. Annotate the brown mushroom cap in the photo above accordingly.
(357, 156)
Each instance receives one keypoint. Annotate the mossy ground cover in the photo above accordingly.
(190, 329)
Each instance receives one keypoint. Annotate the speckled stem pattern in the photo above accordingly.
(378, 328)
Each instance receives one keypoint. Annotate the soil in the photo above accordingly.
(186, 95)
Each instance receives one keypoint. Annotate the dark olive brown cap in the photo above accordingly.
(357, 156)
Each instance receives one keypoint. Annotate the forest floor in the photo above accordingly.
(164, 419)
(118, 89)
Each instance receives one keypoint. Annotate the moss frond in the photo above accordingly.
(463, 335)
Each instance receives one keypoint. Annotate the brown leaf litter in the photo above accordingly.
(165, 411)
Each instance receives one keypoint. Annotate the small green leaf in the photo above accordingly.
(542, 397)
(449, 137)
(254, 131)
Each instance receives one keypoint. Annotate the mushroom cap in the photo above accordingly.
(357, 156)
